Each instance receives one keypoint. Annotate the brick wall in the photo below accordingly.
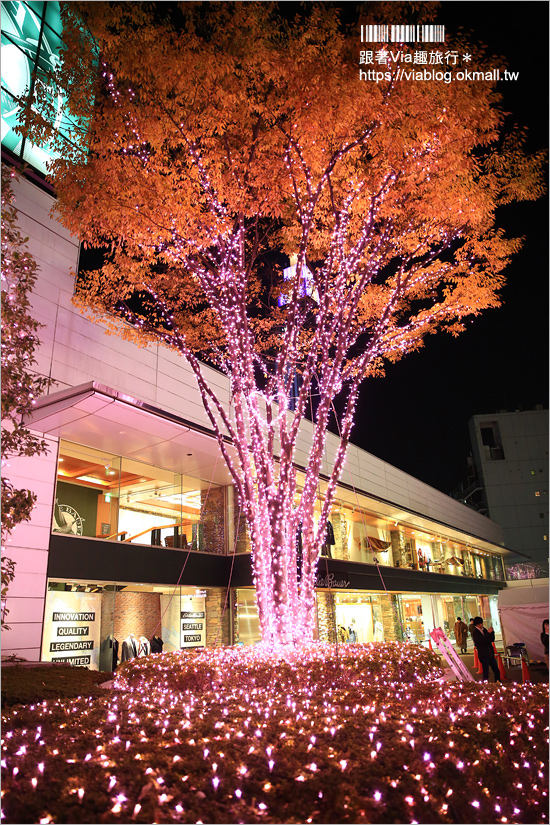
(398, 548)
(235, 611)
(390, 618)
(243, 537)
(340, 527)
(217, 617)
(326, 617)
(136, 613)
(213, 520)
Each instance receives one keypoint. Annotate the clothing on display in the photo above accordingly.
(130, 648)
(329, 541)
(144, 647)
(156, 644)
(378, 544)
(108, 653)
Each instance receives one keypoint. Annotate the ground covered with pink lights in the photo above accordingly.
(365, 733)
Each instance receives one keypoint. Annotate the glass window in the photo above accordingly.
(355, 619)
(30, 51)
(246, 622)
(472, 608)
(101, 624)
(491, 441)
(100, 495)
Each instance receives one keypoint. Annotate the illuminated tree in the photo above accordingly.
(222, 137)
(20, 385)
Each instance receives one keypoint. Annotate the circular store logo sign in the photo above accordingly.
(67, 520)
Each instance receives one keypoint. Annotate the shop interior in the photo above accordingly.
(100, 495)
(106, 496)
(358, 617)
(106, 623)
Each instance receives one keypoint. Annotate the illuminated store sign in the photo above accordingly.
(31, 41)
(71, 628)
(330, 580)
(184, 621)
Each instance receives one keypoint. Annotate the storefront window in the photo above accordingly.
(116, 498)
(246, 622)
(496, 571)
(101, 624)
(471, 608)
(495, 617)
(412, 617)
(468, 566)
(355, 620)
(355, 535)
(480, 571)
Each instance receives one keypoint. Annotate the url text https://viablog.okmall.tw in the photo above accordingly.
(444, 76)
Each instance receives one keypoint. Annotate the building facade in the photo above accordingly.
(136, 531)
(510, 457)
(136, 543)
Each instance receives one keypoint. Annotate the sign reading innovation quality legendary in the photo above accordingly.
(71, 628)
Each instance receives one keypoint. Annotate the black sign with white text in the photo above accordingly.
(57, 646)
(73, 631)
(73, 617)
(73, 660)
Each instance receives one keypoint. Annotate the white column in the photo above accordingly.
(28, 547)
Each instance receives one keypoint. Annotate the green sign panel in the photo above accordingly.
(31, 40)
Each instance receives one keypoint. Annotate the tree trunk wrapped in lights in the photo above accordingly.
(220, 138)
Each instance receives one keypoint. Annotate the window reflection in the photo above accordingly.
(105, 496)
(100, 495)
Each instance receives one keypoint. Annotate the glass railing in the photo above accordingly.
(469, 566)
(109, 497)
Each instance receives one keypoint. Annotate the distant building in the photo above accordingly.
(508, 479)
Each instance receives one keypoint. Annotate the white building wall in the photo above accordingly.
(76, 350)
(28, 547)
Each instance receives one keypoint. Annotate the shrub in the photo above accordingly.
(362, 735)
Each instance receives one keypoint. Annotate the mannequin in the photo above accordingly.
(130, 648)
(108, 653)
(144, 646)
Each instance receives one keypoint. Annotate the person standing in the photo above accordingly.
(343, 634)
(544, 640)
(483, 640)
(461, 635)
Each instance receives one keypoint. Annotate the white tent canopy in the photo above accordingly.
(523, 607)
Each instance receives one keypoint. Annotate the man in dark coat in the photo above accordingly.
(461, 635)
(483, 640)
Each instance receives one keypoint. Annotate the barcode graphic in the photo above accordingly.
(374, 34)
(429, 33)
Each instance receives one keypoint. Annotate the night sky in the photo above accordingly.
(416, 418)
